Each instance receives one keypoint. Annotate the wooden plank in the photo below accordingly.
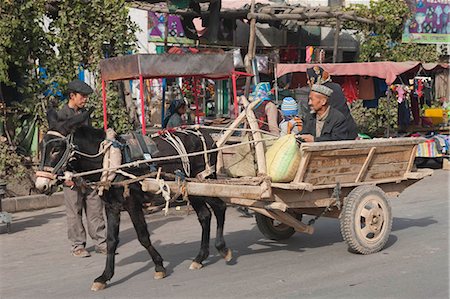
(391, 157)
(302, 167)
(319, 161)
(259, 146)
(334, 170)
(327, 180)
(353, 144)
(365, 166)
(292, 222)
(412, 158)
(362, 151)
(293, 186)
(419, 174)
(213, 190)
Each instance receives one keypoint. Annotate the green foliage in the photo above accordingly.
(374, 121)
(382, 41)
(84, 32)
(11, 164)
(23, 42)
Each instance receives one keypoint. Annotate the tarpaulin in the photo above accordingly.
(386, 70)
(213, 66)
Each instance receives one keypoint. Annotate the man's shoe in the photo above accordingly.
(81, 252)
(102, 250)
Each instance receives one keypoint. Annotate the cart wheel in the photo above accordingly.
(273, 229)
(366, 219)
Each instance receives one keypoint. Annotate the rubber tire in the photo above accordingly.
(349, 222)
(276, 233)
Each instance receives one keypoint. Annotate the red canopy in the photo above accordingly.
(386, 70)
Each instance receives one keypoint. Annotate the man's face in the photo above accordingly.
(78, 100)
(316, 101)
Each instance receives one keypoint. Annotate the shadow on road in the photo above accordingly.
(404, 223)
(34, 221)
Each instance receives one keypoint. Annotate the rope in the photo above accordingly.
(137, 163)
(105, 143)
(178, 145)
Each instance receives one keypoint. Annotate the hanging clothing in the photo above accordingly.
(404, 114)
(427, 92)
(370, 103)
(380, 88)
(415, 109)
(441, 84)
(350, 89)
(400, 93)
(366, 88)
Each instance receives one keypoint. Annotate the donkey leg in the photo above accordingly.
(112, 240)
(134, 208)
(204, 217)
(219, 208)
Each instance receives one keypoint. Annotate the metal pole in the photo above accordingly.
(163, 108)
(197, 116)
(105, 115)
(388, 112)
(141, 91)
(233, 79)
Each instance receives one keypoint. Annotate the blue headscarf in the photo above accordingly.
(262, 91)
(173, 108)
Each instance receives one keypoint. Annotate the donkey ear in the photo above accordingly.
(76, 121)
(52, 117)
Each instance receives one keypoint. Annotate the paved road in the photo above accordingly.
(35, 262)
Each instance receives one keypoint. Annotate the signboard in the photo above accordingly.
(429, 23)
(156, 29)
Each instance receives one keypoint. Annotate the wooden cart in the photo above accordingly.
(349, 180)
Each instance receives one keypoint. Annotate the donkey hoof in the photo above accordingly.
(159, 275)
(228, 256)
(195, 266)
(97, 286)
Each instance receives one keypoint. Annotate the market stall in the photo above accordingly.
(150, 66)
(369, 80)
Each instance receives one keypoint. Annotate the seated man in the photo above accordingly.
(324, 123)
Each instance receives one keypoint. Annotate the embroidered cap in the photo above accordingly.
(322, 89)
(289, 106)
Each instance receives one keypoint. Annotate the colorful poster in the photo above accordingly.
(429, 23)
(156, 29)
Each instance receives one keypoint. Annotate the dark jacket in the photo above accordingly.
(335, 127)
(66, 113)
(337, 100)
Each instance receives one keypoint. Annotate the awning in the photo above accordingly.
(212, 66)
(386, 70)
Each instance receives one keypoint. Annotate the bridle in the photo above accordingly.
(51, 172)
(69, 153)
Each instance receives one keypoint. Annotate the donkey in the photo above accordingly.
(71, 139)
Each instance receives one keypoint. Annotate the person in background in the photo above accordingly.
(291, 123)
(78, 199)
(266, 111)
(173, 118)
(324, 123)
(317, 75)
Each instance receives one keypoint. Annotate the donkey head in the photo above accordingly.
(56, 149)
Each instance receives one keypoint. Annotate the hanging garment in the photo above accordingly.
(309, 54)
(404, 114)
(370, 103)
(419, 90)
(380, 88)
(427, 92)
(441, 84)
(400, 93)
(350, 89)
(415, 109)
(366, 88)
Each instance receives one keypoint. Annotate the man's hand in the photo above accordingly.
(307, 137)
